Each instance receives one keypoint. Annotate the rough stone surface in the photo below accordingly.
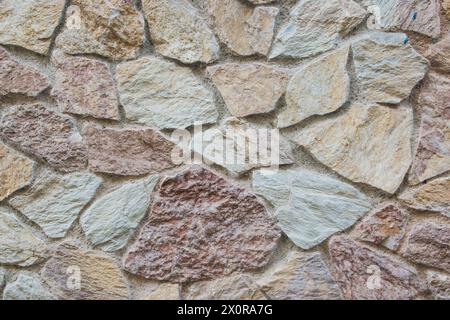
(111, 220)
(160, 93)
(127, 152)
(244, 29)
(201, 227)
(316, 26)
(439, 54)
(45, 134)
(166, 291)
(18, 78)
(101, 279)
(18, 245)
(317, 89)
(249, 89)
(366, 274)
(386, 68)
(310, 207)
(439, 285)
(446, 5)
(110, 28)
(369, 144)
(27, 287)
(54, 201)
(178, 31)
(30, 23)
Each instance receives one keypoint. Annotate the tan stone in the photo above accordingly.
(165, 291)
(439, 54)
(446, 5)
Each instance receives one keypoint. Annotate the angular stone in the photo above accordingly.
(316, 26)
(368, 144)
(127, 152)
(439, 285)
(111, 220)
(100, 277)
(30, 23)
(18, 245)
(19, 78)
(320, 88)
(310, 207)
(165, 291)
(85, 87)
(300, 276)
(249, 89)
(202, 227)
(439, 55)
(433, 196)
(16, 171)
(387, 68)
(54, 201)
(178, 31)
(429, 244)
(364, 274)
(46, 134)
(244, 29)
(162, 94)
(384, 226)
(27, 286)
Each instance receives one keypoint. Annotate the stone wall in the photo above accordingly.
(94, 207)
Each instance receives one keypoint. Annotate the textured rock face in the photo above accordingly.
(165, 291)
(84, 275)
(439, 285)
(429, 244)
(16, 171)
(245, 30)
(365, 274)
(317, 89)
(178, 31)
(112, 219)
(249, 88)
(386, 68)
(30, 23)
(2, 278)
(310, 207)
(201, 227)
(16, 77)
(54, 201)
(159, 93)
(46, 134)
(369, 144)
(18, 245)
(27, 287)
(127, 152)
(446, 5)
(110, 28)
(315, 26)
(439, 54)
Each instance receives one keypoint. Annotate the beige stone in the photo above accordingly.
(165, 291)
(439, 54)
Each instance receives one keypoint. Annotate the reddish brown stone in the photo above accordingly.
(439, 55)
(45, 134)
(127, 152)
(366, 274)
(201, 227)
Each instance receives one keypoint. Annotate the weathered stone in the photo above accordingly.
(316, 26)
(369, 144)
(387, 68)
(110, 28)
(439, 55)
(160, 93)
(54, 201)
(433, 196)
(249, 89)
(30, 23)
(85, 87)
(46, 134)
(19, 78)
(2, 278)
(260, 1)
(201, 227)
(310, 207)
(299, 276)
(18, 245)
(244, 29)
(320, 88)
(165, 291)
(100, 278)
(127, 152)
(111, 220)
(446, 5)
(429, 244)
(439, 285)
(16, 171)
(364, 274)
(178, 31)
(385, 226)
(27, 286)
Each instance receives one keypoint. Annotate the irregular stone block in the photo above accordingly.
(439, 285)
(27, 286)
(439, 55)
(165, 291)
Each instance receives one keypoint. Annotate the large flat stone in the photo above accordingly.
(27, 286)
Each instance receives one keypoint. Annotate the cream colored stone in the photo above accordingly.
(165, 291)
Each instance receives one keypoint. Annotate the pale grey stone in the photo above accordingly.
(27, 286)
(439, 285)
